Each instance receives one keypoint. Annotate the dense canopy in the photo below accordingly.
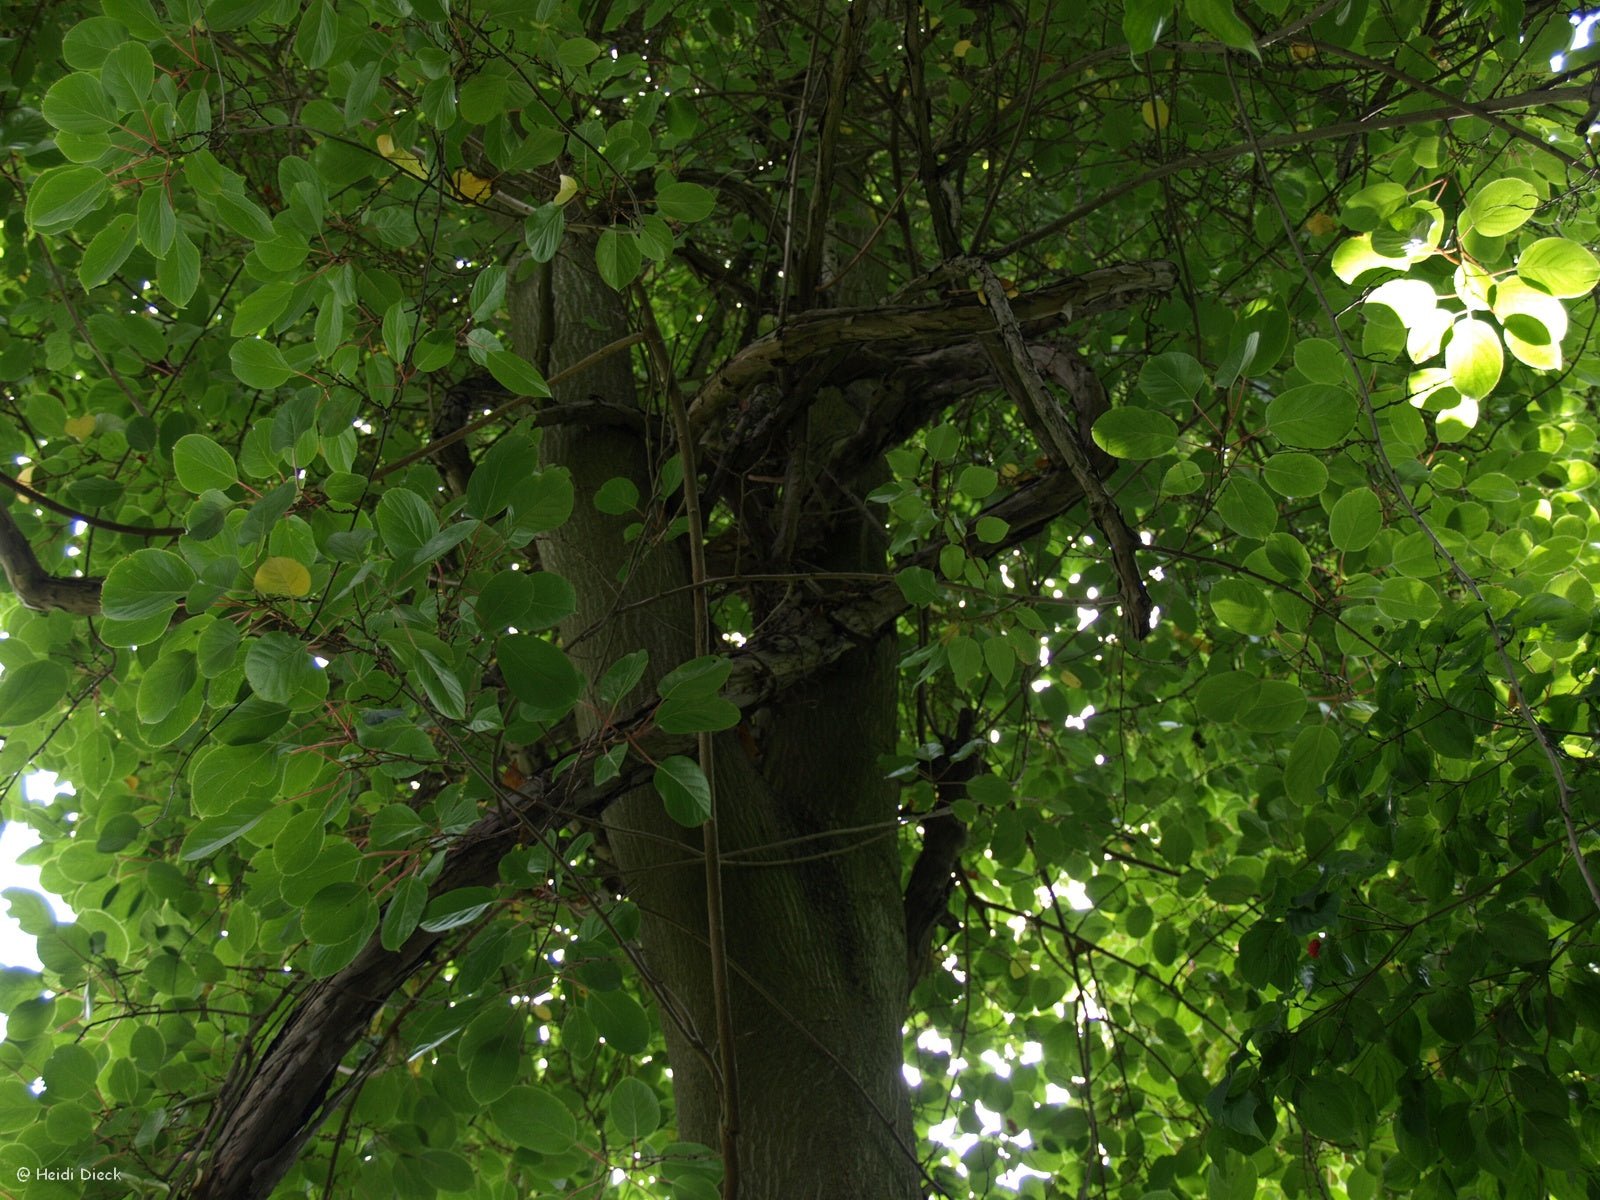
(843, 599)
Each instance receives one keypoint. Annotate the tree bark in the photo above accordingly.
(815, 929)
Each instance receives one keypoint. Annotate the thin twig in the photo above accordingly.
(43, 501)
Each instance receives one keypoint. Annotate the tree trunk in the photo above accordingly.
(814, 925)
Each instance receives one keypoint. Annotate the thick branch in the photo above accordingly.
(944, 836)
(36, 587)
(823, 330)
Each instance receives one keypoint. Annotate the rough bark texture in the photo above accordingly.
(815, 932)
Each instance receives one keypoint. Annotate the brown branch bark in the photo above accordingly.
(36, 587)
(907, 326)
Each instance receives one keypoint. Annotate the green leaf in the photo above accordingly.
(405, 523)
(405, 909)
(178, 276)
(498, 474)
(1242, 606)
(685, 202)
(202, 464)
(211, 834)
(1293, 474)
(1354, 257)
(1183, 479)
(77, 103)
(505, 601)
(516, 374)
(128, 73)
(1135, 433)
(542, 231)
(148, 583)
(684, 790)
(966, 659)
(1355, 520)
(59, 197)
(617, 496)
(1474, 358)
(1315, 416)
(491, 1052)
(539, 675)
(224, 774)
(483, 97)
(279, 667)
(620, 1020)
(339, 912)
(29, 691)
(1520, 936)
(1320, 361)
(621, 678)
(108, 251)
(1245, 507)
(1407, 599)
(243, 215)
(1278, 705)
(315, 34)
(1219, 18)
(164, 686)
(633, 1110)
(696, 714)
(535, 1119)
(1559, 266)
(918, 585)
(551, 600)
(618, 256)
(1172, 379)
(1500, 207)
(259, 364)
(1315, 750)
(977, 482)
(577, 52)
(1142, 23)
(456, 908)
(1329, 1107)
(702, 676)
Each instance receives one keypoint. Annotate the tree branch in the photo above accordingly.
(55, 506)
(1065, 444)
(944, 836)
(822, 330)
(36, 587)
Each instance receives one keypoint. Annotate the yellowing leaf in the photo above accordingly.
(404, 159)
(1320, 224)
(1157, 114)
(282, 577)
(962, 47)
(474, 189)
(567, 190)
(81, 428)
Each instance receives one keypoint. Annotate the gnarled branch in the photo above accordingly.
(822, 330)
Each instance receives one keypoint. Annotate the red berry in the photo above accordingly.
(1314, 947)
